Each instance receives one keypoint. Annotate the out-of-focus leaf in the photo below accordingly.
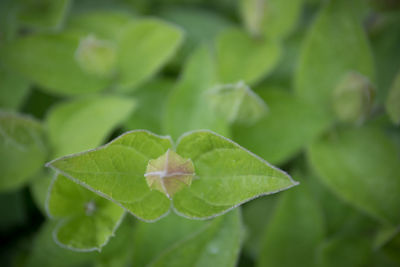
(116, 171)
(294, 231)
(361, 166)
(187, 107)
(22, 149)
(334, 45)
(144, 47)
(151, 99)
(152, 239)
(49, 61)
(13, 89)
(256, 215)
(227, 176)
(348, 251)
(237, 103)
(105, 24)
(45, 252)
(118, 251)
(200, 25)
(393, 101)
(83, 124)
(217, 244)
(385, 39)
(270, 18)
(289, 126)
(43, 14)
(86, 220)
(241, 57)
(39, 187)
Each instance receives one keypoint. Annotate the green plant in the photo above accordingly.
(143, 133)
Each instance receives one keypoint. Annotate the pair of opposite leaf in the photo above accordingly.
(204, 175)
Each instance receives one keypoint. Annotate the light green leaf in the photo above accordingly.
(43, 14)
(86, 220)
(83, 124)
(227, 176)
(152, 239)
(116, 171)
(22, 149)
(144, 47)
(361, 166)
(45, 252)
(39, 186)
(270, 18)
(105, 24)
(393, 101)
(334, 45)
(217, 244)
(188, 107)
(294, 231)
(242, 58)
(289, 126)
(237, 103)
(49, 61)
(151, 99)
(13, 89)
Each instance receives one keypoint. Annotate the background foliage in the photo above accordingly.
(310, 86)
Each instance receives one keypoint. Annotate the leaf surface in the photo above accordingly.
(86, 220)
(227, 176)
(23, 149)
(144, 47)
(361, 166)
(83, 124)
(217, 244)
(116, 171)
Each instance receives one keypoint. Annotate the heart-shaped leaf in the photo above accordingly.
(86, 220)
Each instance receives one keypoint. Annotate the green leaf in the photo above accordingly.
(289, 126)
(144, 47)
(43, 14)
(13, 89)
(22, 149)
(294, 232)
(83, 124)
(270, 18)
(152, 239)
(12, 205)
(237, 103)
(393, 101)
(227, 176)
(201, 27)
(44, 252)
(353, 251)
(49, 61)
(335, 44)
(361, 166)
(151, 100)
(104, 24)
(188, 107)
(116, 171)
(86, 220)
(242, 58)
(217, 244)
(39, 186)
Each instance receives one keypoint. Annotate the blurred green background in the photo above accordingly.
(310, 86)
